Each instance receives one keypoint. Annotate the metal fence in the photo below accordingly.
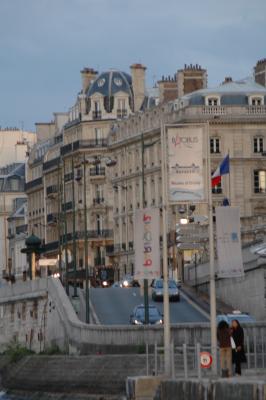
(185, 359)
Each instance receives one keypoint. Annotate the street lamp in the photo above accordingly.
(143, 147)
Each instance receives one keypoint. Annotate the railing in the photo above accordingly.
(51, 189)
(72, 123)
(51, 218)
(90, 143)
(34, 183)
(51, 163)
(121, 113)
(96, 115)
(67, 148)
(104, 233)
(98, 200)
(99, 261)
(67, 206)
(21, 229)
(256, 110)
(51, 246)
(68, 177)
(97, 171)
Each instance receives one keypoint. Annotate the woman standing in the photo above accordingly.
(239, 352)
(223, 336)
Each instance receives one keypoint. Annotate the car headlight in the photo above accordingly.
(125, 283)
(159, 293)
(105, 283)
(159, 322)
(137, 322)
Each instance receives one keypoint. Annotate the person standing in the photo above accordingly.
(239, 352)
(224, 339)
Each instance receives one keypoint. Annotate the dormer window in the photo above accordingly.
(212, 101)
(96, 113)
(121, 108)
(256, 102)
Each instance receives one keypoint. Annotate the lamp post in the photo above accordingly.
(74, 229)
(146, 288)
(59, 219)
(65, 228)
(87, 295)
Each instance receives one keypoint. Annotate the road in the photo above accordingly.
(113, 306)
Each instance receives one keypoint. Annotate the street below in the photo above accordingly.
(113, 306)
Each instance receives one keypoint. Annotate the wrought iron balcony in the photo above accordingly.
(98, 200)
(97, 171)
(67, 148)
(67, 206)
(68, 177)
(51, 163)
(121, 113)
(21, 229)
(50, 190)
(103, 233)
(96, 115)
(52, 219)
(32, 184)
(90, 144)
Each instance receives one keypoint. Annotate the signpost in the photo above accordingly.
(205, 359)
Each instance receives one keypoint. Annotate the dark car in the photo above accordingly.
(157, 290)
(129, 281)
(138, 316)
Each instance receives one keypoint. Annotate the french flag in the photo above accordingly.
(223, 169)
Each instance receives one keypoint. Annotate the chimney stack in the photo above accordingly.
(138, 84)
(87, 75)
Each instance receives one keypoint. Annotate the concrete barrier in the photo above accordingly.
(50, 319)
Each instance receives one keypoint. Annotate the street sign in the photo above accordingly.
(205, 359)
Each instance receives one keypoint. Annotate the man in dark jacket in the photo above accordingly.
(223, 336)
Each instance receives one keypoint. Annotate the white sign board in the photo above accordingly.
(185, 160)
(147, 243)
(230, 262)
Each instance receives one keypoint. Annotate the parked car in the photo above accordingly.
(138, 316)
(157, 290)
(241, 317)
(129, 281)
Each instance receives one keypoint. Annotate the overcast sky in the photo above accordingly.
(45, 43)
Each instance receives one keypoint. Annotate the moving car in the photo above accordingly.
(138, 316)
(241, 317)
(157, 290)
(129, 281)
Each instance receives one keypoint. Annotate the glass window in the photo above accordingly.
(258, 144)
(260, 181)
(215, 145)
(213, 101)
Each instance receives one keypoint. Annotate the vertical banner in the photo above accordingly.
(185, 160)
(147, 243)
(229, 250)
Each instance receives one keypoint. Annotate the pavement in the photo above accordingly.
(113, 306)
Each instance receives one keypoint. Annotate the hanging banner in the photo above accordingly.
(185, 160)
(229, 250)
(147, 243)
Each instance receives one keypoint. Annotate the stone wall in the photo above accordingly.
(50, 320)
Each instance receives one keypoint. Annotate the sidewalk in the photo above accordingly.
(203, 301)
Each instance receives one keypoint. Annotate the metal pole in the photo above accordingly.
(59, 220)
(65, 223)
(212, 270)
(146, 286)
(86, 246)
(196, 275)
(74, 229)
(167, 338)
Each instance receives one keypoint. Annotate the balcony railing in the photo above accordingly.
(90, 144)
(51, 219)
(51, 163)
(51, 246)
(51, 190)
(96, 115)
(67, 206)
(67, 148)
(103, 233)
(99, 261)
(121, 113)
(97, 171)
(34, 183)
(98, 200)
(21, 229)
(68, 177)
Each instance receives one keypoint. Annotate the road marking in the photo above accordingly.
(195, 305)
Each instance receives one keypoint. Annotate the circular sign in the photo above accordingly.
(205, 359)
